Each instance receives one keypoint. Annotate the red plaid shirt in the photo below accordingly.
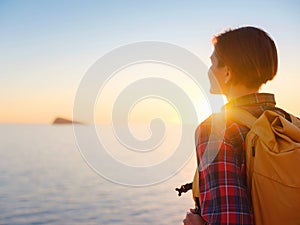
(223, 194)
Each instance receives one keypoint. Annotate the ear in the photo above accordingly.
(228, 75)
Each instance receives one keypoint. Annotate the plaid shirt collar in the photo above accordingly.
(252, 99)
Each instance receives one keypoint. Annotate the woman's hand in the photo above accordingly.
(193, 219)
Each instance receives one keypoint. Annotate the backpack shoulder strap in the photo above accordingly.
(241, 116)
(245, 118)
(295, 121)
(196, 189)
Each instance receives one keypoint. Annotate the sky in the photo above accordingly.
(46, 47)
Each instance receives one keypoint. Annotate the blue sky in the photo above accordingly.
(47, 46)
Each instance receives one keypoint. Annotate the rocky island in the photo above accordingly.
(60, 120)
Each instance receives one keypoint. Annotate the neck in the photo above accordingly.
(236, 91)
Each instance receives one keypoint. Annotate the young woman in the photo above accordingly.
(243, 59)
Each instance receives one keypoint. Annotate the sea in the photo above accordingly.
(44, 179)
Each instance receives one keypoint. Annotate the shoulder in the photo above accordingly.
(203, 130)
(230, 131)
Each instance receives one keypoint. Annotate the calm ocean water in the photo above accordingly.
(44, 180)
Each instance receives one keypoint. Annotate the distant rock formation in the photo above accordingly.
(60, 120)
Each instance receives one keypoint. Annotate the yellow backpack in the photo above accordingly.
(273, 166)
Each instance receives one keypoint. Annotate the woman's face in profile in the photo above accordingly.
(217, 76)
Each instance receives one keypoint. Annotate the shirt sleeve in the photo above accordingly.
(223, 193)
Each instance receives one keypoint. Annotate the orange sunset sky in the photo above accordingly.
(46, 48)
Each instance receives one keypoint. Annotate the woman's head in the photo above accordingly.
(248, 53)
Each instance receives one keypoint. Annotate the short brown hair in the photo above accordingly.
(250, 53)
